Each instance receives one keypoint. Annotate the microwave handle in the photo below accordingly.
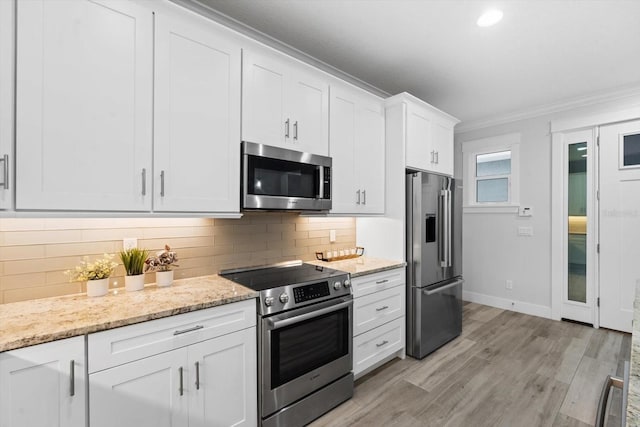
(319, 182)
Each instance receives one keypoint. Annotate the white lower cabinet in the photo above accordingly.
(44, 385)
(378, 319)
(210, 382)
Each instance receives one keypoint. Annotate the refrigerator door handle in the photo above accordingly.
(449, 221)
(444, 226)
(443, 288)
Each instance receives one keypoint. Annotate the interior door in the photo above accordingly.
(619, 223)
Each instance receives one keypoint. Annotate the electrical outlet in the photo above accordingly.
(509, 284)
(129, 243)
(332, 236)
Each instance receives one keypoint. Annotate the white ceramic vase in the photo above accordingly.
(164, 278)
(134, 283)
(97, 288)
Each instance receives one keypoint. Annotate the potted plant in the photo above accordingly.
(96, 274)
(162, 264)
(133, 260)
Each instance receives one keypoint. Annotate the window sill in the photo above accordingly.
(499, 209)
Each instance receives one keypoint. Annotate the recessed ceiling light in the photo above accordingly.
(490, 18)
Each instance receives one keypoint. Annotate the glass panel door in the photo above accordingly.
(577, 222)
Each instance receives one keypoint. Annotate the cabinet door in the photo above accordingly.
(197, 115)
(419, 148)
(443, 146)
(6, 103)
(263, 100)
(309, 112)
(84, 101)
(43, 385)
(224, 381)
(145, 393)
(342, 150)
(370, 155)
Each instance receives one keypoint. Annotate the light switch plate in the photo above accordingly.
(332, 236)
(129, 243)
(525, 231)
(525, 211)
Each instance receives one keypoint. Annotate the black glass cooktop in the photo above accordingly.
(272, 277)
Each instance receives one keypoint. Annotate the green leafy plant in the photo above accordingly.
(133, 260)
(99, 269)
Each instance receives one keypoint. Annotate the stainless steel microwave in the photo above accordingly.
(279, 179)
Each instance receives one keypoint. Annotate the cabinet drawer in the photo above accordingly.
(117, 346)
(370, 283)
(373, 346)
(373, 310)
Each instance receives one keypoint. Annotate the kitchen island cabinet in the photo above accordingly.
(44, 385)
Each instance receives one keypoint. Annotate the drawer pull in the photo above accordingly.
(197, 375)
(184, 331)
(382, 343)
(380, 282)
(181, 380)
(384, 307)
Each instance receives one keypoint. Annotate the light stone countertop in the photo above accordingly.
(38, 321)
(633, 398)
(361, 265)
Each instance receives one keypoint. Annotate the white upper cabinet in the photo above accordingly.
(6, 103)
(357, 147)
(44, 385)
(429, 136)
(197, 114)
(84, 105)
(284, 103)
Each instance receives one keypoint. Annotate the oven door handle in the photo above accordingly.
(277, 324)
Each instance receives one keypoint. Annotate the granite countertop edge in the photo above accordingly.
(230, 293)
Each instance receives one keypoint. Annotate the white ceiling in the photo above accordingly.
(543, 52)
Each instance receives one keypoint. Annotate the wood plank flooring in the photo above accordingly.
(506, 369)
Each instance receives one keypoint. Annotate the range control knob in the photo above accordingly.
(347, 283)
(268, 301)
(284, 298)
(337, 285)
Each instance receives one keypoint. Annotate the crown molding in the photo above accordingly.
(556, 107)
(207, 11)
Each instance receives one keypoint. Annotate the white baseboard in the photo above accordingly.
(507, 304)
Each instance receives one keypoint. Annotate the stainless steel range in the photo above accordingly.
(304, 340)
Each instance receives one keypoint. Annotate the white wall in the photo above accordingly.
(492, 250)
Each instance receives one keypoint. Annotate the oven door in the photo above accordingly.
(276, 178)
(303, 350)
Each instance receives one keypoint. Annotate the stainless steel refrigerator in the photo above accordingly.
(434, 262)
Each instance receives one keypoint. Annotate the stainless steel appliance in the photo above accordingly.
(278, 179)
(434, 255)
(305, 327)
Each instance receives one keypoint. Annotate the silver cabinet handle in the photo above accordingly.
(295, 130)
(384, 307)
(364, 197)
(433, 153)
(5, 180)
(184, 331)
(161, 183)
(181, 380)
(604, 397)
(358, 193)
(380, 282)
(197, 375)
(72, 378)
(382, 343)
(437, 157)
(144, 182)
(286, 128)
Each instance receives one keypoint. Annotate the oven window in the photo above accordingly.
(273, 177)
(305, 346)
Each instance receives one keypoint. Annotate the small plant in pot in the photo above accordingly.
(162, 263)
(96, 274)
(133, 260)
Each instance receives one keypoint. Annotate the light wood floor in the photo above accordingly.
(506, 369)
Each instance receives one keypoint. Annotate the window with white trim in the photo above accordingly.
(491, 173)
